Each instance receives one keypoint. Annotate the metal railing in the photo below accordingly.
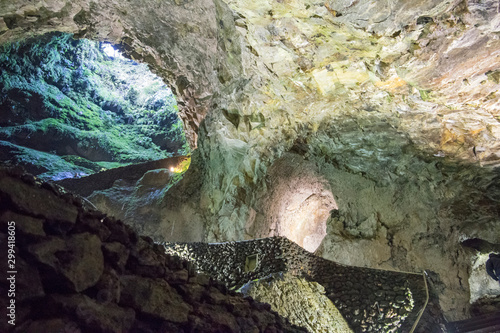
(421, 312)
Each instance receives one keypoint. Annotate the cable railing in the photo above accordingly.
(421, 312)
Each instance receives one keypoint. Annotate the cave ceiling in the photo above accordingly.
(394, 103)
(427, 68)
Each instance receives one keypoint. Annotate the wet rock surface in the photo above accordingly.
(84, 271)
(85, 186)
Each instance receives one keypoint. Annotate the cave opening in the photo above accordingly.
(75, 107)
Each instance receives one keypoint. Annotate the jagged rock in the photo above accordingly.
(289, 294)
(180, 276)
(214, 314)
(90, 223)
(38, 205)
(83, 292)
(78, 260)
(49, 325)
(247, 325)
(192, 292)
(119, 232)
(154, 297)
(201, 279)
(26, 225)
(117, 254)
(108, 287)
(28, 282)
(103, 318)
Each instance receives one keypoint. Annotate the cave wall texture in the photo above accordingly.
(83, 271)
(369, 300)
(392, 103)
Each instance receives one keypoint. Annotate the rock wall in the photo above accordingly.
(104, 180)
(369, 299)
(78, 270)
(295, 203)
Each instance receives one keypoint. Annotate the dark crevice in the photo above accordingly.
(481, 245)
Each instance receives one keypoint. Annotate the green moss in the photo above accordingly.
(425, 95)
(46, 166)
(71, 88)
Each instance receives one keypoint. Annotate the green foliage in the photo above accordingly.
(425, 95)
(72, 88)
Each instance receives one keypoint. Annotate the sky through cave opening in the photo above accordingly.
(71, 108)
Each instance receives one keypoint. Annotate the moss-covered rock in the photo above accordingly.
(44, 165)
(304, 303)
(68, 97)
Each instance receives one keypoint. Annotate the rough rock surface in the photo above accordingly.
(96, 275)
(302, 302)
(395, 102)
(295, 203)
(134, 193)
(482, 285)
(370, 300)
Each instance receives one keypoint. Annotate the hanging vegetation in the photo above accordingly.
(68, 98)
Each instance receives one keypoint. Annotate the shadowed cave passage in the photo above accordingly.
(70, 108)
(298, 201)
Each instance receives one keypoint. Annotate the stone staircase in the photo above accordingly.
(370, 300)
(489, 323)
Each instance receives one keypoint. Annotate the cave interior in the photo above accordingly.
(366, 133)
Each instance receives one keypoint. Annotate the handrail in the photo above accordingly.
(89, 202)
(421, 312)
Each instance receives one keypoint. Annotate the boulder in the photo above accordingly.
(41, 201)
(77, 261)
(154, 297)
(99, 318)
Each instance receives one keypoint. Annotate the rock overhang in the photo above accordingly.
(305, 64)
